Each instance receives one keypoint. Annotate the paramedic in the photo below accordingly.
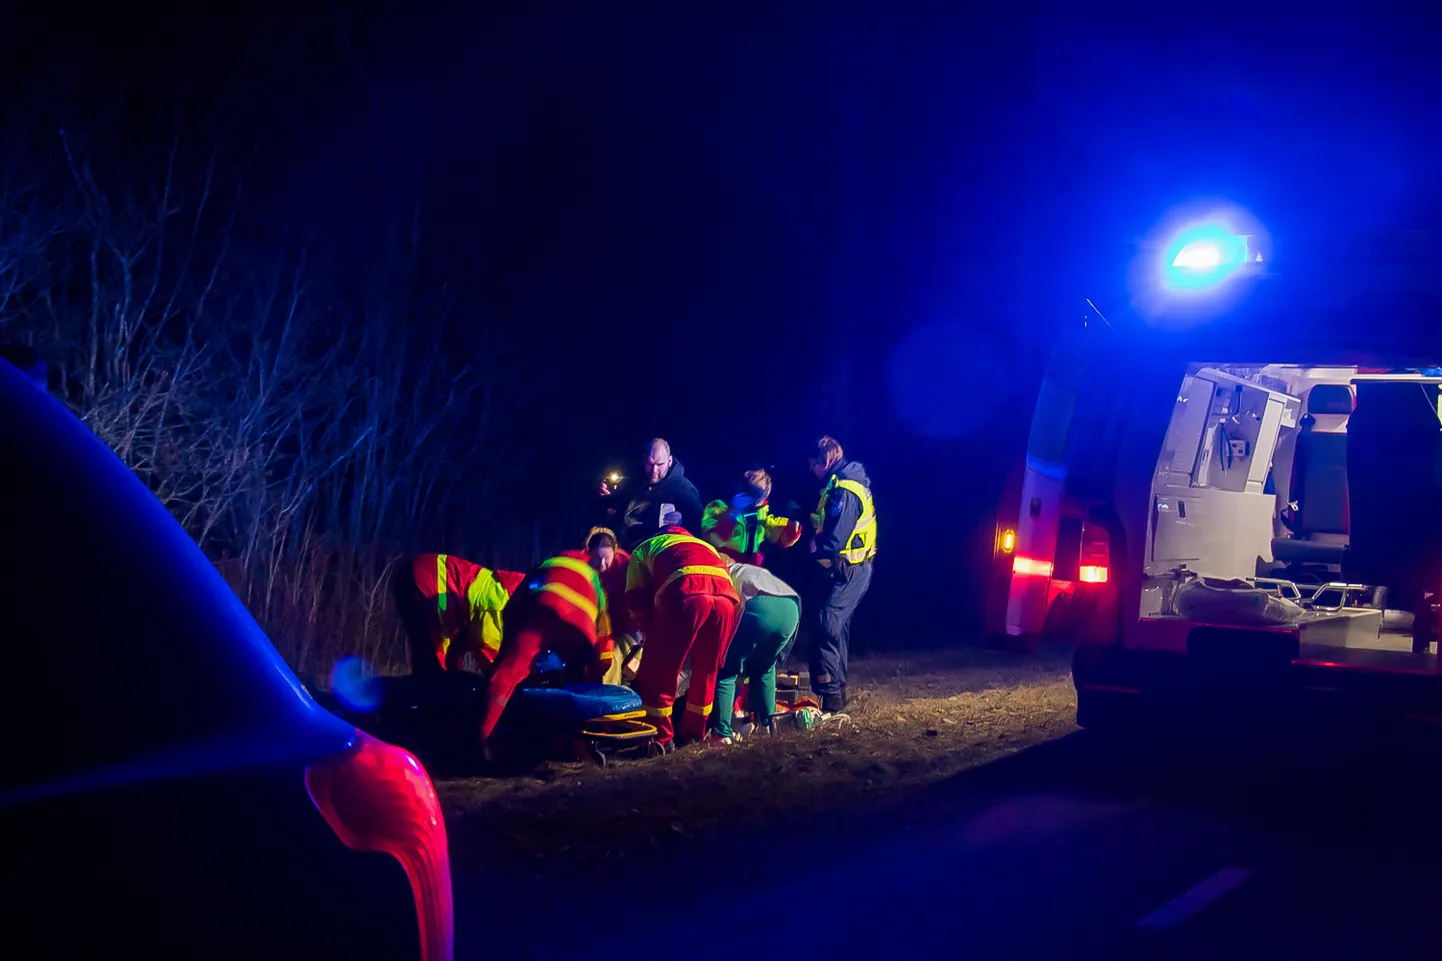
(560, 607)
(844, 546)
(740, 528)
(770, 615)
(666, 483)
(604, 554)
(449, 607)
(679, 592)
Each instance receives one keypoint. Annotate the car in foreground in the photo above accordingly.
(169, 789)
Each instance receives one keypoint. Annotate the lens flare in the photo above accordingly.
(355, 685)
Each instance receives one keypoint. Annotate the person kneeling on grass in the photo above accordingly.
(770, 615)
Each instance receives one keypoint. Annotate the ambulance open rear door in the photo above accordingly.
(1055, 548)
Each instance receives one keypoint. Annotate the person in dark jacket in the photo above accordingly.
(666, 483)
(844, 546)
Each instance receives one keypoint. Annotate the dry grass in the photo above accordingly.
(917, 720)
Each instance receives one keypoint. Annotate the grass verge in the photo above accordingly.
(917, 720)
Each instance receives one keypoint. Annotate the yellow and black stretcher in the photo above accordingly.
(626, 734)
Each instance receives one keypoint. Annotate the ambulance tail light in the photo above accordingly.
(1095, 555)
(1031, 567)
(377, 797)
(1006, 541)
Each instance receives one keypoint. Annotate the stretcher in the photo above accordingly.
(600, 721)
(615, 735)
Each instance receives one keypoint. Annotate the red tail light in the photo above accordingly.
(1031, 566)
(377, 797)
(1095, 555)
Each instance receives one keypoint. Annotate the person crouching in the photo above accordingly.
(450, 607)
(603, 552)
(770, 615)
(560, 607)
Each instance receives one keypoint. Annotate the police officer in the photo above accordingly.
(844, 546)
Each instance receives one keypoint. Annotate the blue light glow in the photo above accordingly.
(1205, 257)
(1198, 262)
(354, 685)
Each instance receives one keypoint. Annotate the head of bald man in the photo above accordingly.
(658, 460)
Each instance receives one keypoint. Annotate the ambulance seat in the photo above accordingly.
(1319, 485)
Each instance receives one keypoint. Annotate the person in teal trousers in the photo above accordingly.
(770, 614)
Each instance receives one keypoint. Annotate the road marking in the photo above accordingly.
(1192, 900)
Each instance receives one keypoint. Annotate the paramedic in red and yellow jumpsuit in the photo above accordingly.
(679, 590)
(449, 607)
(603, 552)
(560, 607)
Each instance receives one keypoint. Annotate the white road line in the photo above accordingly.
(1192, 900)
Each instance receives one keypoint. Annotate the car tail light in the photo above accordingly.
(1031, 566)
(1095, 555)
(1006, 541)
(377, 797)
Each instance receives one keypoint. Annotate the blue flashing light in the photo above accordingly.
(1203, 258)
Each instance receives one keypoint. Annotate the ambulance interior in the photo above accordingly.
(1319, 484)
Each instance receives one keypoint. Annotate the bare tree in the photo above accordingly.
(307, 436)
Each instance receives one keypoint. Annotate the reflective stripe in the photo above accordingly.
(490, 640)
(701, 709)
(660, 542)
(571, 597)
(658, 712)
(861, 545)
(486, 597)
(582, 568)
(699, 570)
(607, 655)
(441, 583)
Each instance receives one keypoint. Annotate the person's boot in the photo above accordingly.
(833, 703)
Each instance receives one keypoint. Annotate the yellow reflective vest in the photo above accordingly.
(861, 546)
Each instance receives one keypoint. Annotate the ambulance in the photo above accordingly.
(1231, 500)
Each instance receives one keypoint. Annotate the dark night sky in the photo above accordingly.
(731, 190)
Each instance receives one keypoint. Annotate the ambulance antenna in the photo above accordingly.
(1098, 312)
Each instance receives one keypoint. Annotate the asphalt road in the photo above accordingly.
(1316, 846)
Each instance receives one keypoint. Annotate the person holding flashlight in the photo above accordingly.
(667, 491)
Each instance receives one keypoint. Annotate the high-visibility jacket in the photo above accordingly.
(861, 543)
(614, 583)
(608, 644)
(468, 600)
(740, 534)
(673, 564)
(572, 588)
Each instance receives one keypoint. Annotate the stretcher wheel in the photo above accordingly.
(585, 751)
